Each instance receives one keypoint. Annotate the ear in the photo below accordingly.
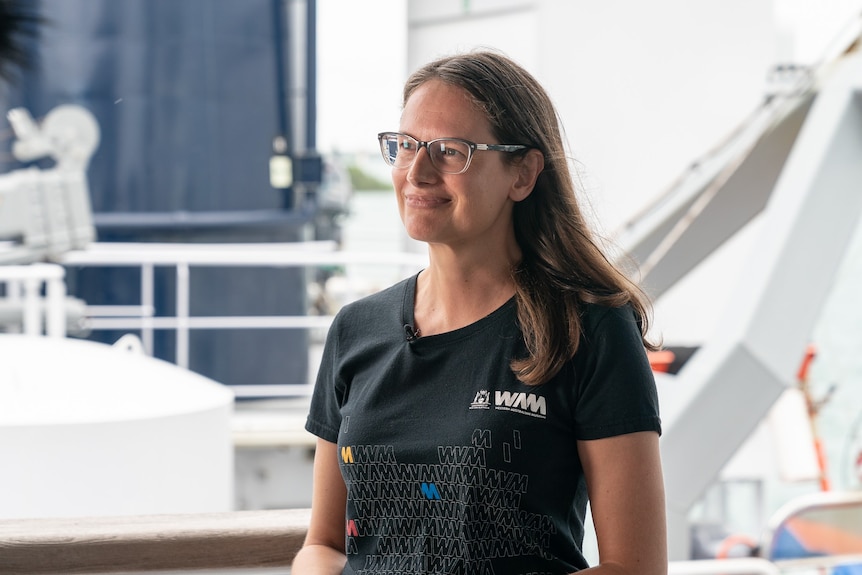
(526, 173)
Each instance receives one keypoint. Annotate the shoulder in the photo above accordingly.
(608, 333)
(374, 307)
(616, 391)
(597, 318)
(365, 324)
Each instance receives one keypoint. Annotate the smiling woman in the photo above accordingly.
(519, 341)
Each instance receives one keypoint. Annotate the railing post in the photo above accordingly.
(55, 314)
(32, 318)
(148, 301)
(183, 314)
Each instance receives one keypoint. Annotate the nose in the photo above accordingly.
(421, 170)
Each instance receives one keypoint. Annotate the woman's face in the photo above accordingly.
(457, 210)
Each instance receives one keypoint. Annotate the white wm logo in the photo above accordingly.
(526, 403)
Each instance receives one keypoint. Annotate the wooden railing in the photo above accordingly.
(243, 541)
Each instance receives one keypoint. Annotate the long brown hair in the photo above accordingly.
(562, 267)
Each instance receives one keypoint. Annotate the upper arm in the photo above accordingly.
(323, 550)
(328, 501)
(626, 490)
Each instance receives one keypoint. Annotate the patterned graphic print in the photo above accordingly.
(454, 516)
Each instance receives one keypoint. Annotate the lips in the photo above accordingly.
(424, 201)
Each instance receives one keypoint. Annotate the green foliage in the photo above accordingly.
(362, 180)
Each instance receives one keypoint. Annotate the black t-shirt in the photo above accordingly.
(451, 464)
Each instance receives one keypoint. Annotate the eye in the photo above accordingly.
(406, 144)
(452, 150)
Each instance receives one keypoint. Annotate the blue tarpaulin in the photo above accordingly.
(189, 95)
(186, 94)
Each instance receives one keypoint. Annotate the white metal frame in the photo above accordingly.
(183, 257)
(24, 288)
(807, 221)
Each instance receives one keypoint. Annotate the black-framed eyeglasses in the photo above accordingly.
(448, 155)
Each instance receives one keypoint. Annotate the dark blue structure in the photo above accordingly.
(190, 95)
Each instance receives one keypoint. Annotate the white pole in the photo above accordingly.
(183, 314)
(55, 311)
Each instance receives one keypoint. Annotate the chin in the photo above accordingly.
(420, 237)
(419, 231)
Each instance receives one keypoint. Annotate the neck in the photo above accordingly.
(453, 293)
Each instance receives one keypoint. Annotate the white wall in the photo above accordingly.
(362, 59)
(443, 28)
(646, 87)
(806, 31)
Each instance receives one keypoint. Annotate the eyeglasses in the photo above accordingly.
(448, 155)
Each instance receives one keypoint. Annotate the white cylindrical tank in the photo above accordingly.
(90, 429)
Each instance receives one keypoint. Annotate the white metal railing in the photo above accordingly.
(183, 257)
(23, 287)
(740, 566)
(821, 565)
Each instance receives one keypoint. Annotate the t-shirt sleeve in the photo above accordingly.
(616, 388)
(324, 416)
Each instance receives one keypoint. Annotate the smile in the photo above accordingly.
(420, 201)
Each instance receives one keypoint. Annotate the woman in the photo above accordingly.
(466, 414)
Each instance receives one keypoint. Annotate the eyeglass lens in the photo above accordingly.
(448, 156)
